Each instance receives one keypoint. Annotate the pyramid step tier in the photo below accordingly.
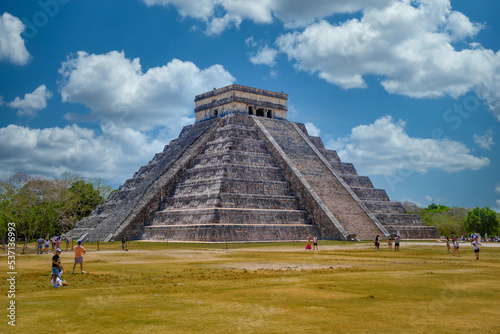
(345, 168)
(234, 157)
(370, 194)
(237, 132)
(385, 207)
(238, 144)
(272, 173)
(226, 200)
(357, 181)
(230, 232)
(388, 219)
(227, 215)
(278, 188)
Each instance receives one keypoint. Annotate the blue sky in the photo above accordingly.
(409, 91)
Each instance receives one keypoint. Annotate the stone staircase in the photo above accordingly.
(233, 191)
(391, 215)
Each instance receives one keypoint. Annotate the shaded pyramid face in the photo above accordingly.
(233, 191)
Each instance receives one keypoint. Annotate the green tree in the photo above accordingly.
(437, 208)
(41, 206)
(86, 198)
(482, 220)
(446, 220)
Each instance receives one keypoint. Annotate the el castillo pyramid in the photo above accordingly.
(243, 172)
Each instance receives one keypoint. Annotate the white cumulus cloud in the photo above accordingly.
(220, 15)
(137, 113)
(113, 155)
(32, 102)
(312, 130)
(264, 56)
(485, 141)
(117, 90)
(384, 147)
(12, 46)
(408, 44)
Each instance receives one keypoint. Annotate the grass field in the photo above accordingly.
(259, 288)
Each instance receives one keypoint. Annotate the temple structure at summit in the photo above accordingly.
(243, 172)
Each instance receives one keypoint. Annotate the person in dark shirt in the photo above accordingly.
(123, 242)
(56, 263)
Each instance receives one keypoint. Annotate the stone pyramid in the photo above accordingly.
(242, 172)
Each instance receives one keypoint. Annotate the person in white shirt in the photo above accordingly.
(456, 248)
(59, 280)
(475, 243)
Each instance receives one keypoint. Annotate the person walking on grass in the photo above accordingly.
(40, 242)
(308, 244)
(315, 242)
(47, 244)
(389, 242)
(377, 242)
(79, 252)
(396, 242)
(456, 248)
(123, 242)
(447, 244)
(476, 245)
(56, 264)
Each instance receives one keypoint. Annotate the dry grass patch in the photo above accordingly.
(261, 288)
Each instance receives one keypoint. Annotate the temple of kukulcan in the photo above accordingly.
(243, 172)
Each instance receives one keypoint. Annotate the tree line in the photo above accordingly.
(40, 207)
(457, 221)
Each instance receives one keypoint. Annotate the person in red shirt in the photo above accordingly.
(79, 252)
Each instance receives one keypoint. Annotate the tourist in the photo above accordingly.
(123, 242)
(315, 242)
(79, 252)
(308, 244)
(456, 247)
(47, 244)
(389, 242)
(377, 242)
(53, 241)
(59, 280)
(40, 242)
(68, 239)
(447, 244)
(476, 245)
(56, 264)
(396, 242)
(58, 242)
